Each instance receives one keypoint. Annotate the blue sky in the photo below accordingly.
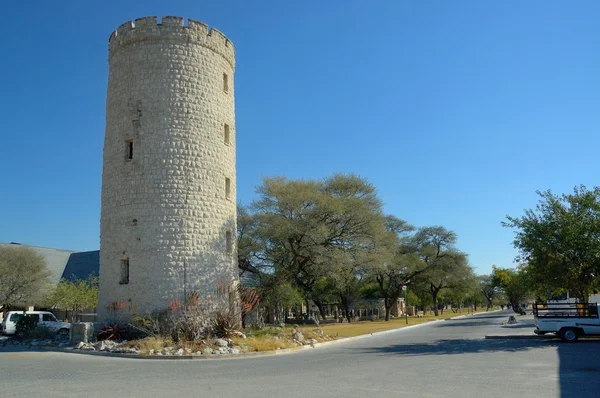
(457, 111)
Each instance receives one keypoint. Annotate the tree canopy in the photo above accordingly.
(330, 241)
(24, 276)
(559, 241)
(74, 296)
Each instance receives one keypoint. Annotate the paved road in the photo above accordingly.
(443, 359)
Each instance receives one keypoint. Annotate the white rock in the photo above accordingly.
(221, 342)
(179, 352)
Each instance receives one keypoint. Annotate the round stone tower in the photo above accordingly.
(168, 217)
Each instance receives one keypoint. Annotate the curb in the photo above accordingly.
(225, 356)
(247, 354)
(228, 356)
(519, 337)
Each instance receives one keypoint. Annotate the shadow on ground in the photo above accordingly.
(465, 346)
(578, 363)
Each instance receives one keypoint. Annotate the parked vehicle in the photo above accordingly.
(569, 321)
(45, 318)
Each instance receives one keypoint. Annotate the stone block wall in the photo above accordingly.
(169, 152)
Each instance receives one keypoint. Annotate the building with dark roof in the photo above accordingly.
(66, 264)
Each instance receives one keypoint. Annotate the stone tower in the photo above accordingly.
(168, 217)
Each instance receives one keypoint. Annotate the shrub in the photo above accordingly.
(153, 325)
(187, 320)
(111, 332)
(40, 332)
(225, 323)
(190, 320)
(26, 323)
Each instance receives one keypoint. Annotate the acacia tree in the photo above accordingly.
(24, 275)
(445, 267)
(513, 284)
(300, 230)
(488, 290)
(464, 293)
(396, 264)
(559, 240)
(450, 272)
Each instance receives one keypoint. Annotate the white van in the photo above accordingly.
(45, 318)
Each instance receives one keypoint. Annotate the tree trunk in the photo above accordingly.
(346, 307)
(434, 295)
(321, 308)
(388, 309)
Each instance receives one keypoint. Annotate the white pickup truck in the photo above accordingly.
(569, 321)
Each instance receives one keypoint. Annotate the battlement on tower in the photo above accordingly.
(171, 28)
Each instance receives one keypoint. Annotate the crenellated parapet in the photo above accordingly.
(171, 28)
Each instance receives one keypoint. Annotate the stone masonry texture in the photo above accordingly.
(166, 160)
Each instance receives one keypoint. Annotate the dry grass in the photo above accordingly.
(274, 338)
(367, 327)
(149, 343)
(263, 343)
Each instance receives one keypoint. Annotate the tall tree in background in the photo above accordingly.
(24, 276)
(396, 265)
(513, 284)
(560, 241)
(450, 272)
(488, 290)
(445, 267)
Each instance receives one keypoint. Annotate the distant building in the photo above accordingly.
(66, 264)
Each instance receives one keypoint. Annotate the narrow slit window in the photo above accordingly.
(225, 82)
(227, 188)
(226, 134)
(129, 149)
(228, 242)
(124, 271)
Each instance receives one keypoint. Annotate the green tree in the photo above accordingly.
(451, 272)
(513, 284)
(302, 230)
(24, 276)
(445, 267)
(277, 296)
(559, 240)
(75, 296)
(489, 291)
(396, 264)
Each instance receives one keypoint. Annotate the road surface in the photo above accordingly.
(441, 359)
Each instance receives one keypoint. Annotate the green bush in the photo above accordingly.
(26, 323)
(40, 332)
